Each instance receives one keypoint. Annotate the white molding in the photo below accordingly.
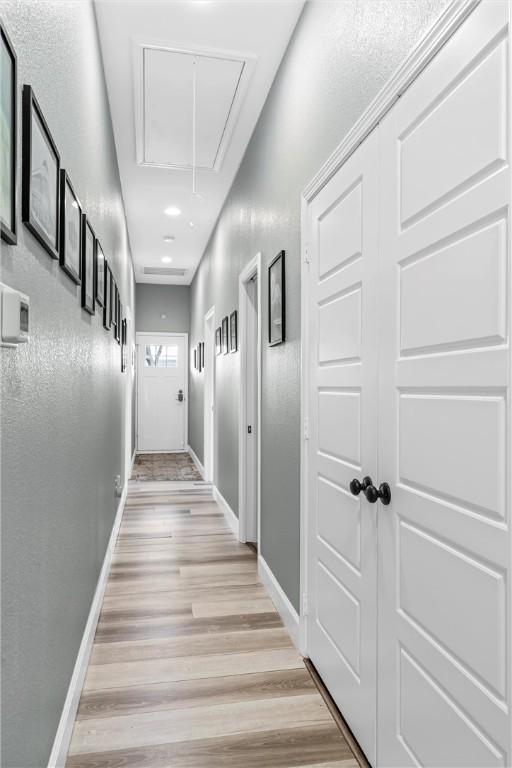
(196, 461)
(284, 607)
(67, 719)
(434, 39)
(230, 516)
(253, 267)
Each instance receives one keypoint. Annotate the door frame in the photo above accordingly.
(209, 378)
(251, 270)
(427, 47)
(139, 338)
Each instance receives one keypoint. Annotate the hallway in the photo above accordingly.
(191, 665)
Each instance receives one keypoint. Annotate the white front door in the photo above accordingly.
(343, 391)
(162, 396)
(444, 541)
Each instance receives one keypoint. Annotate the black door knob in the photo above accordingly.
(384, 494)
(356, 487)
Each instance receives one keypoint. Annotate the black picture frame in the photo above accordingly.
(201, 356)
(218, 341)
(99, 274)
(195, 358)
(88, 248)
(119, 318)
(36, 210)
(124, 340)
(233, 331)
(9, 105)
(71, 265)
(276, 300)
(114, 307)
(107, 306)
(225, 339)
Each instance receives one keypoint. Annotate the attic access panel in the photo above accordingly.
(168, 106)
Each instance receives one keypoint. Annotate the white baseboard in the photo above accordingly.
(230, 516)
(67, 719)
(285, 609)
(196, 461)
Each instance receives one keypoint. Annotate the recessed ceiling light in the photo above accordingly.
(169, 238)
(166, 259)
(191, 224)
(172, 210)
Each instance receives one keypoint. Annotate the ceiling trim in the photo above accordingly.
(248, 61)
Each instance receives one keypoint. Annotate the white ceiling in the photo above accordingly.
(152, 51)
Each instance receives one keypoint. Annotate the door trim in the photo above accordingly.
(139, 338)
(252, 269)
(424, 51)
(209, 471)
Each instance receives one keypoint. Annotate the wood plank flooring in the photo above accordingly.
(191, 666)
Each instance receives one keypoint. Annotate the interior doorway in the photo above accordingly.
(249, 411)
(209, 395)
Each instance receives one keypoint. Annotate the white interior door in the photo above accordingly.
(343, 391)
(251, 433)
(162, 395)
(444, 608)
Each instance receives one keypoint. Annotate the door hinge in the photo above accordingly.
(304, 604)
(306, 428)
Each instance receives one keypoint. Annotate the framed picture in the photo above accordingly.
(41, 184)
(276, 301)
(99, 275)
(88, 244)
(107, 306)
(114, 307)
(233, 331)
(201, 356)
(8, 138)
(195, 358)
(124, 341)
(119, 318)
(218, 341)
(70, 230)
(225, 340)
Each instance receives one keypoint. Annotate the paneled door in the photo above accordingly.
(444, 541)
(342, 535)
(161, 392)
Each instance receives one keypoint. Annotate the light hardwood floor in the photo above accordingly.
(191, 666)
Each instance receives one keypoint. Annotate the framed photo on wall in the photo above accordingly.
(107, 306)
(195, 358)
(88, 244)
(218, 341)
(8, 138)
(99, 275)
(201, 356)
(41, 183)
(70, 230)
(276, 301)
(225, 338)
(124, 349)
(114, 307)
(119, 318)
(233, 331)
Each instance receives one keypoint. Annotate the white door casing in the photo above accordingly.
(161, 414)
(343, 391)
(209, 395)
(444, 541)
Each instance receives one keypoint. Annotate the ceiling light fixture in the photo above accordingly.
(169, 239)
(173, 210)
(166, 259)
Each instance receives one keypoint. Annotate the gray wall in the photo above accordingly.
(62, 406)
(340, 56)
(153, 301)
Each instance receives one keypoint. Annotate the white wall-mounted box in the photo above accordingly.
(15, 316)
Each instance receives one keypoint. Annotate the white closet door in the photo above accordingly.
(342, 535)
(444, 541)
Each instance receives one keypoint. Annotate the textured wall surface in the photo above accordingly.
(340, 56)
(153, 301)
(63, 396)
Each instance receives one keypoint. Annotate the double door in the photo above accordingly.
(409, 384)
